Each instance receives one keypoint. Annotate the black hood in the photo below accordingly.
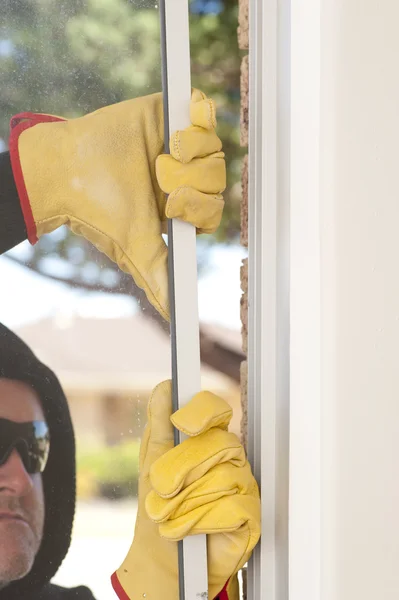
(18, 362)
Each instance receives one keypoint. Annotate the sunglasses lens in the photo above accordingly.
(39, 448)
(31, 440)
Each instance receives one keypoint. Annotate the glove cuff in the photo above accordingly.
(18, 124)
(117, 587)
(223, 594)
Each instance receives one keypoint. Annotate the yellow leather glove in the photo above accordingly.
(103, 175)
(204, 485)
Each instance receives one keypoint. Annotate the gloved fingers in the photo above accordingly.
(204, 211)
(223, 480)
(238, 516)
(202, 110)
(194, 142)
(207, 175)
(158, 434)
(204, 411)
(190, 460)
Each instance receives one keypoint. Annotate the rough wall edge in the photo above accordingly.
(243, 42)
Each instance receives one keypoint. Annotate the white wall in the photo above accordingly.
(344, 499)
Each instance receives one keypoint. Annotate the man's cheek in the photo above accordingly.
(36, 506)
(18, 548)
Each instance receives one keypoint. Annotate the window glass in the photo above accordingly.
(78, 312)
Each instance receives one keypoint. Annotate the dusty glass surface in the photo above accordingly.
(77, 311)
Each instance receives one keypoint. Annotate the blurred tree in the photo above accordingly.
(70, 57)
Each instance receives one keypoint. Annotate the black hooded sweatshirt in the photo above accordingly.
(18, 362)
(12, 224)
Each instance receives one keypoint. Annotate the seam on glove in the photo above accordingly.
(172, 514)
(181, 485)
(18, 124)
(212, 116)
(176, 143)
(204, 428)
(174, 195)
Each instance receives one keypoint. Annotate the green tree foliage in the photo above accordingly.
(110, 471)
(69, 57)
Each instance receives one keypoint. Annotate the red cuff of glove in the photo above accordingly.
(18, 124)
(118, 589)
(223, 594)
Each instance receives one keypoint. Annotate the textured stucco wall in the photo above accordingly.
(243, 41)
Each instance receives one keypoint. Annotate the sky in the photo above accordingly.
(27, 297)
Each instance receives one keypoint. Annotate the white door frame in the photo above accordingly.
(305, 304)
(284, 296)
(268, 293)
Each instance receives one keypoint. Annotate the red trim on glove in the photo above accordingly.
(18, 124)
(223, 594)
(118, 589)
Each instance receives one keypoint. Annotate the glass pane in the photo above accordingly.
(215, 69)
(80, 314)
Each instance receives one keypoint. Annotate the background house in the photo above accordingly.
(108, 368)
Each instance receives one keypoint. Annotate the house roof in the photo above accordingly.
(230, 339)
(112, 354)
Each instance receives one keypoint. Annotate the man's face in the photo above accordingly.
(21, 494)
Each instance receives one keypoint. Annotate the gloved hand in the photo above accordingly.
(103, 175)
(204, 485)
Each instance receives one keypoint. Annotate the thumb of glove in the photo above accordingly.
(150, 569)
(159, 436)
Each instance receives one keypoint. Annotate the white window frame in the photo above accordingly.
(268, 293)
(284, 416)
(305, 513)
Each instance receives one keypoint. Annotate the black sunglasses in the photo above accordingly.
(30, 439)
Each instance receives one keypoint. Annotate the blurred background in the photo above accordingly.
(81, 315)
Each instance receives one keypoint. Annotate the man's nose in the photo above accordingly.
(14, 479)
